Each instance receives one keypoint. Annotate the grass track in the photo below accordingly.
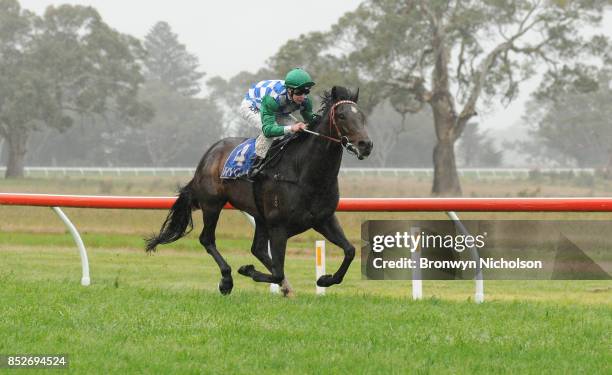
(130, 330)
(162, 314)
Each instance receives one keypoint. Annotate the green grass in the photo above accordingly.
(162, 314)
(134, 330)
(104, 240)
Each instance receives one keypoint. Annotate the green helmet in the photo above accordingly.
(298, 78)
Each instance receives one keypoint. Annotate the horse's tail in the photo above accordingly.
(178, 223)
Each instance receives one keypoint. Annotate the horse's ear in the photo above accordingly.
(356, 97)
(334, 93)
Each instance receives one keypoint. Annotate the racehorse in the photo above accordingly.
(296, 193)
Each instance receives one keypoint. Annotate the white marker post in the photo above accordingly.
(415, 256)
(479, 279)
(274, 288)
(320, 264)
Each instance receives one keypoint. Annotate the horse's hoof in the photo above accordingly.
(326, 280)
(226, 286)
(246, 270)
(289, 293)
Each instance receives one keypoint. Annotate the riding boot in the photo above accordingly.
(255, 168)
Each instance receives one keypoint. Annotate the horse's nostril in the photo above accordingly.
(365, 144)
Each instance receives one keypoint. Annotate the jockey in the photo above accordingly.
(270, 102)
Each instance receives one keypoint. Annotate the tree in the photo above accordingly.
(168, 61)
(573, 126)
(181, 129)
(390, 120)
(476, 148)
(317, 53)
(403, 138)
(228, 94)
(55, 68)
(183, 124)
(453, 56)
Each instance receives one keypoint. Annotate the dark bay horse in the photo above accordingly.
(297, 193)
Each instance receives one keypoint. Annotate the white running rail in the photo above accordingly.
(478, 173)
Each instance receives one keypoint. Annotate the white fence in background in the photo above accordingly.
(509, 173)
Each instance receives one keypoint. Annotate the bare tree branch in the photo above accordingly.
(461, 61)
(432, 17)
(469, 109)
(537, 50)
(501, 32)
(527, 16)
(426, 51)
(414, 85)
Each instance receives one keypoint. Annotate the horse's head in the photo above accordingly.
(348, 122)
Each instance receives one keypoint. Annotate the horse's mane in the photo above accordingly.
(327, 101)
(342, 93)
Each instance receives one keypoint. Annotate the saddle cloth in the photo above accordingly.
(239, 160)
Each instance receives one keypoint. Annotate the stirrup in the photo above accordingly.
(252, 175)
(255, 169)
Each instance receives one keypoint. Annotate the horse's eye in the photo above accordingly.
(341, 116)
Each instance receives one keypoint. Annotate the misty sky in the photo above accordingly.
(234, 35)
(228, 36)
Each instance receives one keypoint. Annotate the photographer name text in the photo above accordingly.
(483, 263)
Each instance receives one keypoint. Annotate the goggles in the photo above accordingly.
(300, 92)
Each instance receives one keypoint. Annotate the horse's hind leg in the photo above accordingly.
(207, 239)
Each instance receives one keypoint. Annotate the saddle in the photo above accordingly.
(240, 160)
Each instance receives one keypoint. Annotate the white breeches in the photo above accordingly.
(252, 117)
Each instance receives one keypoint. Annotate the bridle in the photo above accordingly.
(342, 139)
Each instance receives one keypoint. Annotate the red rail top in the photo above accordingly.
(346, 204)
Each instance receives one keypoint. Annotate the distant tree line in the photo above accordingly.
(73, 91)
(180, 127)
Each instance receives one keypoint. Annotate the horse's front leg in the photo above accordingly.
(332, 231)
(278, 245)
(260, 251)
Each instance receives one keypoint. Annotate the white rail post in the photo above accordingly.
(274, 288)
(415, 256)
(319, 264)
(479, 294)
(85, 280)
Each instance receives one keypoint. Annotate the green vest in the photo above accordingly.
(270, 108)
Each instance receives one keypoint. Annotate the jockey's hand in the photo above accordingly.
(298, 127)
